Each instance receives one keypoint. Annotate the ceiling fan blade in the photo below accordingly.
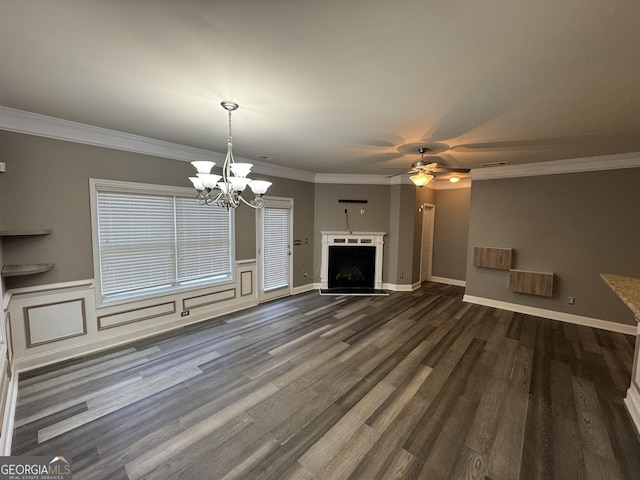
(451, 170)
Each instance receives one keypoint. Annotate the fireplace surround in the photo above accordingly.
(351, 261)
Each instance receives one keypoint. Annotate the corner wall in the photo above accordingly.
(451, 233)
(576, 225)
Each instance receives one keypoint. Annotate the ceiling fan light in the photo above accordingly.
(421, 179)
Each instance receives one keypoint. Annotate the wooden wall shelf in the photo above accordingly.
(532, 283)
(24, 233)
(27, 269)
(492, 257)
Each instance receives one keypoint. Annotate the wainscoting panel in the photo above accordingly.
(208, 299)
(51, 323)
(246, 283)
(135, 315)
(55, 321)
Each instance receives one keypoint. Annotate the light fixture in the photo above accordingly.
(421, 179)
(226, 190)
(454, 179)
(423, 173)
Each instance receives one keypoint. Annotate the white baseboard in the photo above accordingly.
(632, 402)
(554, 315)
(304, 289)
(394, 287)
(448, 281)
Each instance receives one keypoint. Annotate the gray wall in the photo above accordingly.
(389, 208)
(575, 225)
(401, 234)
(451, 232)
(329, 214)
(47, 186)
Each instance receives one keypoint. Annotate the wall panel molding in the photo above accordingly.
(133, 315)
(53, 322)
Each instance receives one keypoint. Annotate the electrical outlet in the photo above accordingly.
(184, 313)
(305, 273)
(402, 275)
(572, 300)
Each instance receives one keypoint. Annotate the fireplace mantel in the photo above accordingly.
(350, 239)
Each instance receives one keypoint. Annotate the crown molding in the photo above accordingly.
(50, 127)
(354, 179)
(555, 167)
(20, 121)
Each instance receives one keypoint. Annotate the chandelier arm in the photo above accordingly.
(248, 203)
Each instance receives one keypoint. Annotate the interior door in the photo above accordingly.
(275, 231)
(426, 244)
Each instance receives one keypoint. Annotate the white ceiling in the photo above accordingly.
(351, 86)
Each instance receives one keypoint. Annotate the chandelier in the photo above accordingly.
(226, 190)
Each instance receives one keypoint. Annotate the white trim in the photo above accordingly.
(284, 203)
(337, 239)
(6, 436)
(395, 287)
(19, 121)
(574, 165)
(353, 179)
(309, 287)
(449, 281)
(554, 315)
(632, 402)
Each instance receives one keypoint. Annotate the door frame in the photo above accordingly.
(277, 202)
(428, 214)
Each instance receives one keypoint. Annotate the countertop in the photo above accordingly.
(627, 288)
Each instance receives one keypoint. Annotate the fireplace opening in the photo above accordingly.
(351, 268)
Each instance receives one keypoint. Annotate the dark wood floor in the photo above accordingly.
(407, 386)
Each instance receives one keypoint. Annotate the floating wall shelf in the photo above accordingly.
(492, 257)
(19, 270)
(24, 233)
(25, 269)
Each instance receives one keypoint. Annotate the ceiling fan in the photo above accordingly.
(424, 172)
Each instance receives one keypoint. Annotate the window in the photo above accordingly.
(150, 238)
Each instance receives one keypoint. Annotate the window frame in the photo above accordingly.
(96, 185)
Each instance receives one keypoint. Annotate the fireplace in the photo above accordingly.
(351, 267)
(351, 262)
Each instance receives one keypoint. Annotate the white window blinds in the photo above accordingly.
(150, 241)
(276, 248)
(203, 236)
(136, 242)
